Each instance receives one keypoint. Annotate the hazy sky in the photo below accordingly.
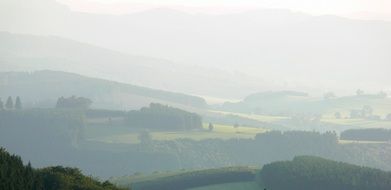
(354, 8)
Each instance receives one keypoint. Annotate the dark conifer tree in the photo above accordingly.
(18, 103)
(10, 104)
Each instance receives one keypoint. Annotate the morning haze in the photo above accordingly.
(199, 95)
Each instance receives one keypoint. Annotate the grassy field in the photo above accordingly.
(125, 135)
(358, 123)
(261, 118)
(361, 142)
(327, 118)
(231, 186)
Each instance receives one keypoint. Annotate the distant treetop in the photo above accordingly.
(74, 102)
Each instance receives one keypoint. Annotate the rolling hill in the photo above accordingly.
(42, 88)
(291, 103)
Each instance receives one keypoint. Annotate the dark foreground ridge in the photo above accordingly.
(16, 176)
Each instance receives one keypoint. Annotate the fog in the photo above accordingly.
(183, 95)
(293, 50)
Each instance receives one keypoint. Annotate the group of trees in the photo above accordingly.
(73, 102)
(307, 172)
(16, 176)
(9, 105)
(367, 134)
(161, 117)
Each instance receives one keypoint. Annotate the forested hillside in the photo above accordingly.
(16, 176)
(307, 173)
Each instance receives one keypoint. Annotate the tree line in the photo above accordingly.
(10, 105)
(14, 175)
(162, 117)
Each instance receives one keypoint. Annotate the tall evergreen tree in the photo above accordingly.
(18, 103)
(1, 105)
(10, 104)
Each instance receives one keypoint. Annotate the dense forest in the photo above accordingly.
(161, 117)
(16, 176)
(307, 172)
(367, 134)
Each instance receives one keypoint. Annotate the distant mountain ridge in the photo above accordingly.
(25, 52)
(296, 50)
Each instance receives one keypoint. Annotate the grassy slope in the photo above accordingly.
(231, 186)
(125, 135)
(358, 123)
(261, 118)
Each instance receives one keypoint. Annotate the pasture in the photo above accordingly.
(126, 135)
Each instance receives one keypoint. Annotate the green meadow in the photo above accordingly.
(107, 134)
